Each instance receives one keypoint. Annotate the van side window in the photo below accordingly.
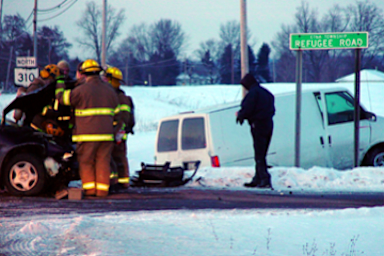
(167, 140)
(340, 108)
(193, 134)
(318, 100)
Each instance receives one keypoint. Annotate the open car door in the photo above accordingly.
(32, 103)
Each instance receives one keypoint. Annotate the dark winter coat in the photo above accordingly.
(258, 106)
(126, 111)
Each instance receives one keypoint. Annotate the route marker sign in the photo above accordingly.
(324, 41)
(27, 62)
(26, 70)
(25, 76)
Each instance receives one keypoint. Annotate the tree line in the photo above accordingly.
(153, 54)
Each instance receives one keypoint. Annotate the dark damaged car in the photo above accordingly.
(33, 162)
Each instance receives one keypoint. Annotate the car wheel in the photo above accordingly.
(375, 157)
(25, 175)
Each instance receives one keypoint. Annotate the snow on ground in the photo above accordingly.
(213, 232)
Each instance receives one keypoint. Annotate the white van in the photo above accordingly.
(327, 134)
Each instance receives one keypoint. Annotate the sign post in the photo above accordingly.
(25, 71)
(327, 41)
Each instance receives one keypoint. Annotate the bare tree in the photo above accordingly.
(230, 33)
(167, 35)
(210, 45)
(314, 62)
(328, 65)
(140, 42)
(365, 16)
(337, 19)
(285, 64)
(161, 36)
(90, 24)
(153, 50)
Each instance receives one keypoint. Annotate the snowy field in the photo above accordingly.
(213, 232)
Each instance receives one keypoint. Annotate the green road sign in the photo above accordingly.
(322, 41)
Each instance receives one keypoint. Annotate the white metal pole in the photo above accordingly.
(357, 107)
(299, 75)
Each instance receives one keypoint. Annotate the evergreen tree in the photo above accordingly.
(262, 68)
(226, 65)
(252, 63)
(52, 45)
(209, 65)
(135, 73)
(163, 68)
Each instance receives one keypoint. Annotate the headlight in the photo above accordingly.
(67, 155)
(52, 166)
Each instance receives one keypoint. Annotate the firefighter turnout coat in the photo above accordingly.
(96, 106)
(119, 153)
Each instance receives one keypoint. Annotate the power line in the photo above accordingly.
(154, 63)
(59, 12)
(30, 15)
(52, 8)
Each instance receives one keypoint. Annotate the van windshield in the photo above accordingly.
(193, 134)
(168, 136)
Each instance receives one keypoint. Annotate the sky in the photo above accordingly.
(199, 19)
(272, 232)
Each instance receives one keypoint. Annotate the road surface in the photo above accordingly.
(136, 199)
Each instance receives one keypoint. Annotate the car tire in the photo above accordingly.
(375, 157)
(25, 175)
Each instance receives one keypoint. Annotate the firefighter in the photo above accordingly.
(64, 70)
(96, 106)
(119, 153)
(47, 76)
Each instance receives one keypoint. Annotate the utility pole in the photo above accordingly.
(1, 17)
(232, 66)
(243, 41)
(126, 78)
(50, 47)
(103, 35)
(35, 31)
(9, 69)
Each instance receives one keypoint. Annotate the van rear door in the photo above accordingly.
(167, 141)
(193, 141)
(182, 139)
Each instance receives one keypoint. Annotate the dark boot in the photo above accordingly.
(265, 183)
(254, 183)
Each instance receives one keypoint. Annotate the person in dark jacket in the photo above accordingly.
(258, 107)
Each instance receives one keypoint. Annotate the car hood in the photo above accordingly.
(32, 103)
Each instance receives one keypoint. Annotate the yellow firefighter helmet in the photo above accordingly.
(50, 70)
(90, 67)
(115, 76)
